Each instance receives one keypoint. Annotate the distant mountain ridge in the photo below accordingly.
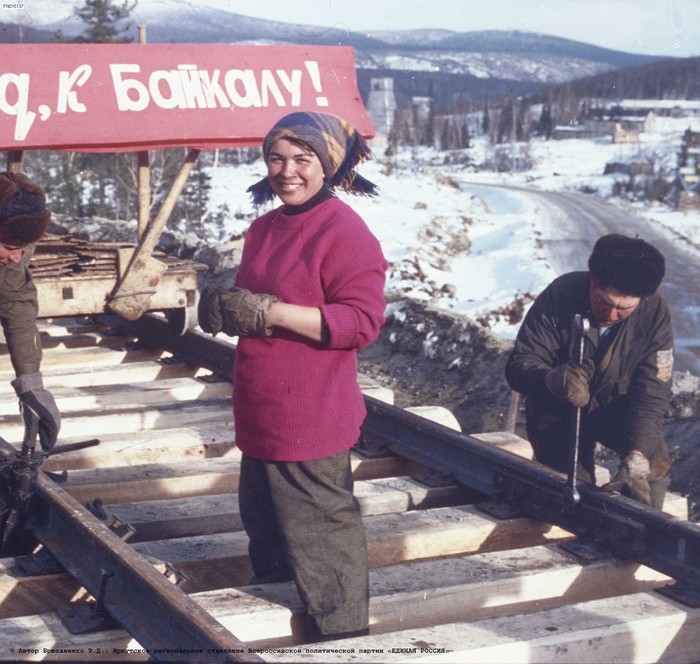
(443, 63)
(504, 41)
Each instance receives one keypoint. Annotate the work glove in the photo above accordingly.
(31, 392)
(569, 382)
(632, 478)
(236, 312)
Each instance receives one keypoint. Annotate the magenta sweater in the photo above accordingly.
(294, 399)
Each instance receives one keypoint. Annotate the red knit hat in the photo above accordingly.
(23, 213)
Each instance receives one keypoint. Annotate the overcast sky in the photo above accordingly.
(658, 27)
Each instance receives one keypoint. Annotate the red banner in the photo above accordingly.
(124, 97)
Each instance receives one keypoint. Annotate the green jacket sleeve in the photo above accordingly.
(18, 314)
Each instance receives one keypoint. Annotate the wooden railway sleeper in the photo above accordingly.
(667, 544)
(157, 613)
(631, 530)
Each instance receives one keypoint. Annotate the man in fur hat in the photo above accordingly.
(623, 385)
(23, 220)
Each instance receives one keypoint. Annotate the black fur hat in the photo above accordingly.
(630, 265)
(23, 213)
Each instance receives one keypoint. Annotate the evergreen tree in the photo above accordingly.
(102, 18)
(544, 124)
(507, 120)
(192, 204)
(522, 123)
(93, 184)
(485, 120)
(429, 128)
(466, 142)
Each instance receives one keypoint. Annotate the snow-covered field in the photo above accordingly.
(444, 243)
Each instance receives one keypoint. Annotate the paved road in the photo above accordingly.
(572, 222)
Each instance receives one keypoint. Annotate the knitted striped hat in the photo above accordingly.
(338, 145)
(23, 213)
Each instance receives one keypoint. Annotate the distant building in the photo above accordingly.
(561, 132)
(689, 172)
(381, 105)
(626, 132)
(675, 108)
(625, 119)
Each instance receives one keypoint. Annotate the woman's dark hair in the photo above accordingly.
(630, 265)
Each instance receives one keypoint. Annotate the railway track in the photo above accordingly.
(473, 550)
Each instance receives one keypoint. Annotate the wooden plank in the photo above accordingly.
(153, 481)
(183, 518)
(45, 637)
(425, 534)
(208, 514)
(423, 594)
(499, 583)
(209, 439)
(409, 597)
(133, 372)
(450, 531)
(397, 495)
(94, 356)
(179, 517)
(200, 474)
(113, 397)
(203, 515)
(22, 595)
(83, 425)
(628, 629)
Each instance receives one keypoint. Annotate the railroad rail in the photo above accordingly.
(476, 553)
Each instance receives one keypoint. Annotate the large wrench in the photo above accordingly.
(580, 327)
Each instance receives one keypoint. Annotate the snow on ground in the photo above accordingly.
(443, 242)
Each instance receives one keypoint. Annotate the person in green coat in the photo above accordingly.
(23, 221)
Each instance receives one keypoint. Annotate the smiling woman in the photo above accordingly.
(294, 171)
(309, 293)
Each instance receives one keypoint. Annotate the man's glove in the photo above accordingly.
(31, 392)
(632, 478)
(569, 382)
(236, 312)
